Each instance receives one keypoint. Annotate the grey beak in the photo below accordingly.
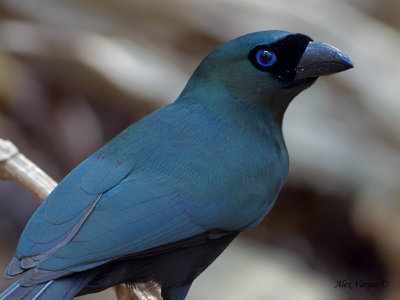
(321, 59)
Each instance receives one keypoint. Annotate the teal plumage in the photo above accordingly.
(185, 179)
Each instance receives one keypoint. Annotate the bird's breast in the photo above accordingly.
(239, 187)
(228, 177)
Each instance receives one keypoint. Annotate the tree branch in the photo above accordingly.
(14, 166)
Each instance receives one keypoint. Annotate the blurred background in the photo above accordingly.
(73, 73)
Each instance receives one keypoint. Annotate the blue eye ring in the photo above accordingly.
(266, 58)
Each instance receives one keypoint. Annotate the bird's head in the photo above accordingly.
(268, 67)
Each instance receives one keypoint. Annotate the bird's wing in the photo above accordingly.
(101, 211)
(134, 216)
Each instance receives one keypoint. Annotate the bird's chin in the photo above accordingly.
(300, 83)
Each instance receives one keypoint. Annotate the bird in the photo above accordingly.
(163, 199)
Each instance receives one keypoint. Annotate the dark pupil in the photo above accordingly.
(266, 57)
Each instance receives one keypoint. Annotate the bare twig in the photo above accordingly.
(14, 166)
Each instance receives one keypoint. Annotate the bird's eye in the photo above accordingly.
(265, 58)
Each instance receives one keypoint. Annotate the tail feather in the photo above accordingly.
(8, 291)
(15, 291)
(61, 289)
(42, 290)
